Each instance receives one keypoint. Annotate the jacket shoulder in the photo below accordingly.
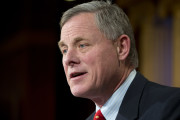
(160, 102)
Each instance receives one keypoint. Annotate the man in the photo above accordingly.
(99, 60)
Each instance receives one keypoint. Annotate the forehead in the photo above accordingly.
(83, 23)
(81, 19)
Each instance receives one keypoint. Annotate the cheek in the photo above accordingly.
(103, 62)
(65, 68)
(90, 59)
(64, 65)
(94, 63)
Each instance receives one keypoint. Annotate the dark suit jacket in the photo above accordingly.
(146, 100)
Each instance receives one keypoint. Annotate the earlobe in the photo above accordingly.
(123, 47)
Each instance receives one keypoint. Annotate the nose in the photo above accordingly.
(71, 58)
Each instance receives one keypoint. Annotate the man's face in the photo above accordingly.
(90, 60)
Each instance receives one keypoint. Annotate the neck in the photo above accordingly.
(125, 74)
(101, 100)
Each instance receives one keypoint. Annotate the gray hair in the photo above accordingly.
(111, 21)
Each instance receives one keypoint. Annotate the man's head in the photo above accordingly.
(111, 20)
(97, 43)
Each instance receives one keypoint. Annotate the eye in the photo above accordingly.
(82, 45)
(64, 51)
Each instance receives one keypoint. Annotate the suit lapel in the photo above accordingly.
(130, 105)
(91, 116)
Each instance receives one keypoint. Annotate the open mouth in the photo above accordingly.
(77, 74)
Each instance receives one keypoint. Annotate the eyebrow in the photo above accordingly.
(78, 39)
(75, 41)
(61, 44)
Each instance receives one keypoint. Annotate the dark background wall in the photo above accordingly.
(32, 81)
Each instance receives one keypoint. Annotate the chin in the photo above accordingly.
(79, 92)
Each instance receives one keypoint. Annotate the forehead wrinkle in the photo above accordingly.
(82, 19)
(75, 32)
(77, 26)
(70, 29)
(73, 41)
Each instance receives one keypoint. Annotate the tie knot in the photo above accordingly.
(99, 116)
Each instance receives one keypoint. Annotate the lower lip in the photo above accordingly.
(78, 77)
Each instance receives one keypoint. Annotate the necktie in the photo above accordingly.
(99, 116)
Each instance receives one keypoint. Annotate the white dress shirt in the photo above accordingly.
(111, 107)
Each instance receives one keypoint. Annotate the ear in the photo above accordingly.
(123, 47)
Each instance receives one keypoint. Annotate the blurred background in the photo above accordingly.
(32, 81)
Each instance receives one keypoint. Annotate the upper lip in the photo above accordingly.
(75, 74)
